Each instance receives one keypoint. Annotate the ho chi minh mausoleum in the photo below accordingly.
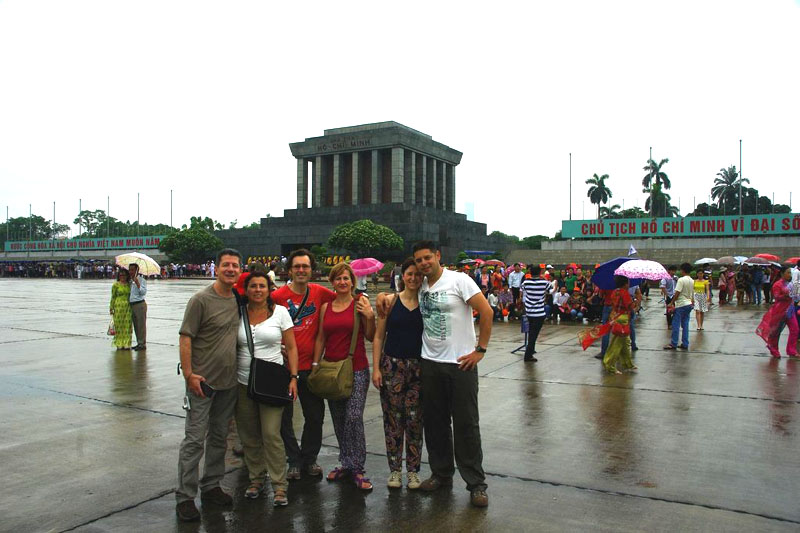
(386, 172)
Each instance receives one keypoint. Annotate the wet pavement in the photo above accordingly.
(699, 441)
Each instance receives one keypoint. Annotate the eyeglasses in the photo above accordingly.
(301, 267)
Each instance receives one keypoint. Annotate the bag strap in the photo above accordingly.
(388, 314)
(356, 324)
(302, 305)
(248, 331)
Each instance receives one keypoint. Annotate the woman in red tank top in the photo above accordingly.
(333, 339)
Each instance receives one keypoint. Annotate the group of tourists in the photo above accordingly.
(424, 363)
(128, 309)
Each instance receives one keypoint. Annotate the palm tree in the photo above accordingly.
(655, 177)
(610, 212)
(726, 187)
(660, 203)
(598, 193)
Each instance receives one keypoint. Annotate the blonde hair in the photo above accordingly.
(337, 270)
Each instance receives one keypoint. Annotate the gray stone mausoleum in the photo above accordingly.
(386, 172)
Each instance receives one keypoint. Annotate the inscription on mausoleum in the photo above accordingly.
(344, 144)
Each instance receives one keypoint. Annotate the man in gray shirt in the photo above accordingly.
(667, 287)
(208, 359)
(138, 306)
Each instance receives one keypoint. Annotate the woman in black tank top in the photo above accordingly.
(396, 374)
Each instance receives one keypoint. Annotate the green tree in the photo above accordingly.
(726, 189)
(655, 179)
(192, 245)
(534, 242)
(206, 223)
(35, 228)
(364, 238)
(633, 212)
(513, 239)
(598, 193)
(461, 256)
(660, 202)
(610, 212)
(320, 252)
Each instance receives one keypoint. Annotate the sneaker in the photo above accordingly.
(279, 498)
(293, 473)
(479, 498)
(254, 490)
(187, 511)
(395, 480)
(530, 359)
(314, 470)
(434, 483)
(413, 481)
(216, 496)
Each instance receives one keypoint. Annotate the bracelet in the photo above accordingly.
(314, 364)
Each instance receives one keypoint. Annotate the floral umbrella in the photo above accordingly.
(756, 261)
(495, 262)
(642, 269)
(365, 266)
(147, 265)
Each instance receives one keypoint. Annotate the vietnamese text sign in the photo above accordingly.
(110, 243)
(723, 226)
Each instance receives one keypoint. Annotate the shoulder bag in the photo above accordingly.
(268, 382)
(333, 380)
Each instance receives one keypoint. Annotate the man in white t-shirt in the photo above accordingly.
(796, 282)
(449, 366)
(682, 300)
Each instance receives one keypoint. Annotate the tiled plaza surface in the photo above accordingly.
(699, 441)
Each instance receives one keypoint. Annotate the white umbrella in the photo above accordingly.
(739, 259)
(147, 265)
(705, 261)
(642, 269)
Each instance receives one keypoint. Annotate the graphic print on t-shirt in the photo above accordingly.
(437, 325)
(308, 310)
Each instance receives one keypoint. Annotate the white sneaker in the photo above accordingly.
(413, 481)
(395, 480)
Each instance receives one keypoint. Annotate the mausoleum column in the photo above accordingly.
(451, 188)
(356, 189)
(302, 184)
(423, 180)
(337, 179)
(375, 178)
(398, 175)
(410, 193)
(442, 195)
(317, 184)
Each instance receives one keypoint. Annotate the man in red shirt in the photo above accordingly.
(303, 300)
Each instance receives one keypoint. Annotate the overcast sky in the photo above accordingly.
(105, 98)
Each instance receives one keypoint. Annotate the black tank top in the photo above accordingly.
(404, 332)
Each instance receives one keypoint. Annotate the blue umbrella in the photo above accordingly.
(603, 277)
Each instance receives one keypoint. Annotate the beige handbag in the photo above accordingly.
(333, 380)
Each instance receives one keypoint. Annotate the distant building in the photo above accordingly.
(386, 172)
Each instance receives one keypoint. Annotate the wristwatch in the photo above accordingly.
(480, 349)
(295, 376)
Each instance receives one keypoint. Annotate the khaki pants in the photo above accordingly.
(260, 432)
(139, 317)
(206, 427)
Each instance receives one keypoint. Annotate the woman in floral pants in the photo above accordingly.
(396, 374)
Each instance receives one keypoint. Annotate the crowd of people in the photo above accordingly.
(97, 269)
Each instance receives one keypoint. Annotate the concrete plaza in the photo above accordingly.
(700, 441)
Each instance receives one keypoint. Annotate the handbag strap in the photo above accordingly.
(356, 324)
(248, 331)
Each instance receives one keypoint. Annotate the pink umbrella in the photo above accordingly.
(479, 261)
(365, 266)
(642, 269)
(495, 262)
